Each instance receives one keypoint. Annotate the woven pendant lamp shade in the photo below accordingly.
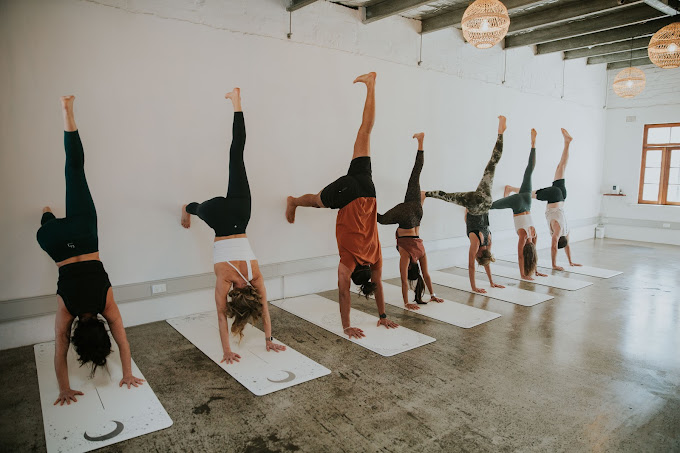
(629, 82)
(664, 48)
(485, 23)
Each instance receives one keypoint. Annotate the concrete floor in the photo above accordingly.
(596, 369)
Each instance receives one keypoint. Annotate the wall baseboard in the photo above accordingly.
(31, 320)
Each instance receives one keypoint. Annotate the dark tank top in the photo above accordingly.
(478, 224)
(83, 287)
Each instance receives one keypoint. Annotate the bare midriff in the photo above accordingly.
(232, 236)
(522, 213)
(94, 256)
(401, 232)
(555, 205)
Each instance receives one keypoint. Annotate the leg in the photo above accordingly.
(395, 215)
(362, 146)
(510, 189)
(309, 200)
(562, 166)
(78, 198)
(238, 178)
(486, 183)
(510, 202)
(526, 182)
(413, 188)
(465, 199)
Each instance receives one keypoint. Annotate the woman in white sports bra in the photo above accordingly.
(554, 210)
(520, 203)
(236, 268)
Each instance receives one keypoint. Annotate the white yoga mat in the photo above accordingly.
(582, 270)
(508, 294)
(553, 281)
(258, 370)
(106, 414)
(325, 313)
(449, 312)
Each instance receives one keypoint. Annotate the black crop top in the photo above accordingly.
(83, 287)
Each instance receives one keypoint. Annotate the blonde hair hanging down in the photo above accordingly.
(245, 306)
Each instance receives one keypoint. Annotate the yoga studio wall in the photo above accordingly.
(150, 76)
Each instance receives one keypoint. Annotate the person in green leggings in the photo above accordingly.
(520, 203)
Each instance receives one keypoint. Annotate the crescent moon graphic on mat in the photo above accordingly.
(117, 430)
(290, 377)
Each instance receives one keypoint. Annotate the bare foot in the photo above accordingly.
(47, 209)
(533, 138)
(186, 217)
(67, 102)
(234, 94)
(507, 191)
(502, 124)
(366, 78)
(567, 137)
(419, 135)
(290, 210)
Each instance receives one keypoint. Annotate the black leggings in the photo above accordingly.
(409, 213)
(520, 202)
(553, 194)
(229, 215)
(75, 234)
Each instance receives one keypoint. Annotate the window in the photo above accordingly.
(660, 172)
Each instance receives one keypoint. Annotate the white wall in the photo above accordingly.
(149, 78)
(626, 119)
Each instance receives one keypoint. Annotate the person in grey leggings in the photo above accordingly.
(477, 205)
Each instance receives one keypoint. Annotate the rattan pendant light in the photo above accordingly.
(664, 48)
(485, 23)
(629, 82)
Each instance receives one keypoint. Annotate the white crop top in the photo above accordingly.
(557, 213)
(236, 249)
(524, 222)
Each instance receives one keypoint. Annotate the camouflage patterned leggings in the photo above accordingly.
(479, 201)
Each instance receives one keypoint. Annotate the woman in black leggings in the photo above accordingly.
(239, 292)
(83, 288)
(411, 250)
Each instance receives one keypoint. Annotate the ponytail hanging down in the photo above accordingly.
(416, 282)
(362, 277)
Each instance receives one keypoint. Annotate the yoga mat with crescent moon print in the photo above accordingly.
(258, 370)
(106, 414)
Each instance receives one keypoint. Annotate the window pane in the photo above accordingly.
(653, 158)
(650, 192)
(673, 193)
(652, 175)
(675, 134)
(658, 135)
(675, 158)
(673, 176)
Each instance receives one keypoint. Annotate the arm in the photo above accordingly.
(376, 276)
(474, 247)
(553, 247)
(567, 250)
(221, 291)
(62, 338)
(115, 321)
(428, 280)
(404, 261)
(534, 240)
(344, 276)
(258, 283)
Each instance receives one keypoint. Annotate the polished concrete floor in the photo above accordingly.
(592, 370)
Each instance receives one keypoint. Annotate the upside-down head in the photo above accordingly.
(530, 258)
(361, 276)
(245, 306)
(416, 282)
(562, 242)
(91, 342)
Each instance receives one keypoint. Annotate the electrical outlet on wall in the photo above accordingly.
(631, 119)
(666, 225)
(159, 288)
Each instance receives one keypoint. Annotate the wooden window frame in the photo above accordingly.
(666, 150)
